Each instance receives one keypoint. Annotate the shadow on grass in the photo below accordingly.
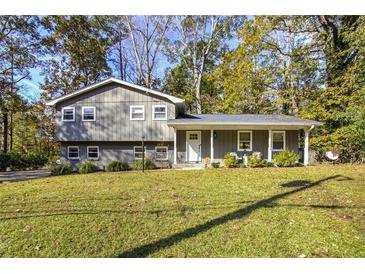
(148, 249)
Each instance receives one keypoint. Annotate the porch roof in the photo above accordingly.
(242, 119)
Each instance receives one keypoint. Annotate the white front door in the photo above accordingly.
(193, 146)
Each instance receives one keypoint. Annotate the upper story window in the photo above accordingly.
(244, 140)
(159, 112)
(73, 152)
(68, 114)
(278, 140)
(137, 112)
(88, 113)
(161, 153)
(93, 152)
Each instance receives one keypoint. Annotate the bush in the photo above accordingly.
(88, 167)
(117, 166)
(5, 159)
(148, 164)
(17, 161)
(286, 158)
(255, 160)
(215, 165)
(230, 161)
(61, 169)
(34, 160)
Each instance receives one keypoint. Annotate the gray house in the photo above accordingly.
(106, 121)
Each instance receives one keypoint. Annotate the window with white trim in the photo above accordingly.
(88, 113)
(278, 140)
(73, 152)
(68, 114)
(93, 152)
(159, 112)
(138, 152)
(161, 153)
(244, 140)
(137, 112)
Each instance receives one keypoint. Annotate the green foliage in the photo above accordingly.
(286, 158)
(60, 169)
(17, 161)
(88, 167)
(5, 160)
(148, 164)
(230, 161)
(117, 166)
(215, 165)
(79, 53)
(255, 160)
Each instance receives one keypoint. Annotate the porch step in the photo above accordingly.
(188, 166)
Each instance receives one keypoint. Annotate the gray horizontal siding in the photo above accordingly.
(113, 123)
(115, 151)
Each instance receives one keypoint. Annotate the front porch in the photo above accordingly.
(205, 145)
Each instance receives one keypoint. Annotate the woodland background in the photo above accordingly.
(307, 66)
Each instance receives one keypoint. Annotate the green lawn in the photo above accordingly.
(271, 212)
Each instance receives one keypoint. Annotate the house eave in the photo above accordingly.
(171, 98)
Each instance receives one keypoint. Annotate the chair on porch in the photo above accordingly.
(332, 156)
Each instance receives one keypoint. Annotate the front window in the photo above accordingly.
(73, 152)
(159, 112)
(244, 140)
(88, 113)
(137, 112)
(93, 152)
(138, 152)
(278, 140)
(68, 114)
(161, 153)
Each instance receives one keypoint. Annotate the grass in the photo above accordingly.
(270, 212)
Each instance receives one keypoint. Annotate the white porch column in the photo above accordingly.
(211, 146)
(269, 150)
(306, 147)
(175, 147)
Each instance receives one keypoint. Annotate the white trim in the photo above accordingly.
(175, 146)
(153, 113)
(130, 113)
(173, 99)
(134, 152)
(87, 153)
(83, 109)
(272, 139)
(186, 144)
(306, 145)
(211, 145)
(68, 153)
(238, 140)
(167, 153)
(269, 149)
(73, 112)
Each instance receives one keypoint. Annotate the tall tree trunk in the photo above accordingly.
(5, 131)
(11, 131)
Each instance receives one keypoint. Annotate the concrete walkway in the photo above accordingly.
(14, 176)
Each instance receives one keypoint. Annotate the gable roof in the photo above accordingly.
(173, 99)
(241, 119)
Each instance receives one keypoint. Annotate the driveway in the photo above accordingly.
(14, 176)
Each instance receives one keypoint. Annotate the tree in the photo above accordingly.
(200, 42)
(77, 54)
(19, 48)
(147, 37)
